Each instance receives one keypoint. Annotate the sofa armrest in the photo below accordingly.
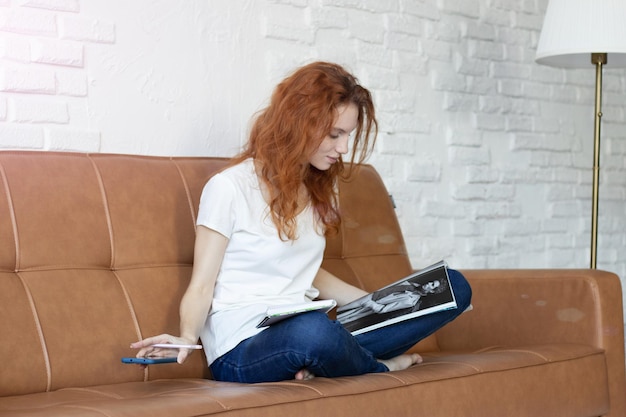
(517, 307)
(535, 307)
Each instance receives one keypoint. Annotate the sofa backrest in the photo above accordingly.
(96, 251)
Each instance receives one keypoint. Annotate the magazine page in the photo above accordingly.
(278, 313)
(424, 292)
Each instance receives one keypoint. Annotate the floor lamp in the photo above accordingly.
(578, 34)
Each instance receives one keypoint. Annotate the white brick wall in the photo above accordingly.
(42, 72)
(488, 155)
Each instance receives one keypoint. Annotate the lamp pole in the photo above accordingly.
(598, 59)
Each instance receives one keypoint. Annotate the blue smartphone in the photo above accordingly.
(149, 361)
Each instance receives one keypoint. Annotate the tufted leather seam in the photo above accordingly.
(42, 339)
(105, 206)
(187, 191)
(12, 214)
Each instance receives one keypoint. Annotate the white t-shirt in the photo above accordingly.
(259, 269)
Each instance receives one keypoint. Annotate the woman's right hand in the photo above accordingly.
(146, 350)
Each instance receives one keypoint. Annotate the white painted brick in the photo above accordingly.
(32, 110)
(500, 210)
(461, 7)
(28, 21)
(439, 50)
(71, 83)
(403, 42)
(551, 159)
(409, 123)
(469, 66)
(380, 78)
(443, 210)
(487, 192)
(519, 124)
(329, 50)
(443, 31)
(545, 74)
(536, 247)
(523, 141)
(298, 3)
(521, 227)
(367, 26)
(14, 136)
(517, 53)
(553, 225)
(481, 175)
(456, 136)
(424, 9)
(58, 5)
(544, 125)
(524, 6)
(527, 21)
(526, 107)
(376, 54)
(564, 95)
(511, 70)
(46, 51)
(612, 115)
(495, 104)
(389, 101)
(376, 6)
(326, 18)
(414, 64)
(294, 33)
(27, 80)
(491, 122)
(86, 29)
(466, 228)
(437, 247)
(449, 82)
(424, 171)
(512, 36)
(478, 49)
(564, 209)
(403, 23)
(78, 140)
(559, 192)
(484, 246)
(3, 108)
(468, 156)
(482, 85)
(512, 88)
(460, 102)
(15, 48)
(497, 17)
(396, 144)
(479, 30)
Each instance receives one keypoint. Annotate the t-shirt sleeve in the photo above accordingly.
(217, 205)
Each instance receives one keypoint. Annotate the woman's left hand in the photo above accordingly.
(147, 350)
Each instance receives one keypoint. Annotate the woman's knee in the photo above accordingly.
(319, 335)
(462, 288)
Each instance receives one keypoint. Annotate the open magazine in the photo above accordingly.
(423, 292)
(279, 313)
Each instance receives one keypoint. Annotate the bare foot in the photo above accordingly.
(401, 362)
(304, 374)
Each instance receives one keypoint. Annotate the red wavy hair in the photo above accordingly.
(301, 113)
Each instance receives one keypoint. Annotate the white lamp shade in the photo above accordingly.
(574, 29)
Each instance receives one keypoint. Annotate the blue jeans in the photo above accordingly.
(314, 342)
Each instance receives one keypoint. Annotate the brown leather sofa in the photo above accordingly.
(96, 251)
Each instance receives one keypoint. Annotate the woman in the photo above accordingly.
(260, 241)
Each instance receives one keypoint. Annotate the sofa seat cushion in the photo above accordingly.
(568, 379)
